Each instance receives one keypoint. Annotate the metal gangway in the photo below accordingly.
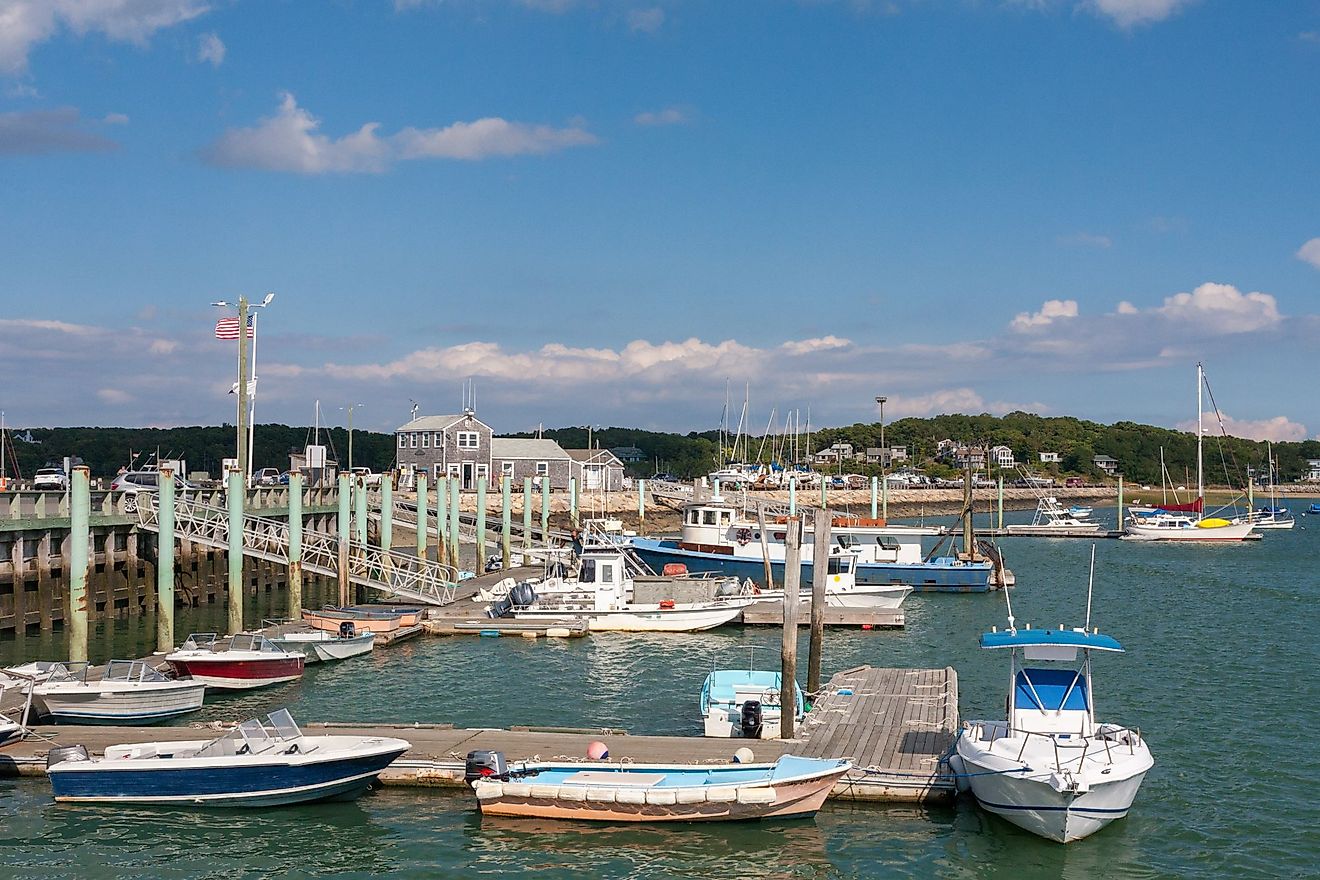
(398, 575)
(405, 514)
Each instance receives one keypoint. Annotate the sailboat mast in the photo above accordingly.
(1200, 476)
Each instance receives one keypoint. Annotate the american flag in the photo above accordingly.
(227, 328)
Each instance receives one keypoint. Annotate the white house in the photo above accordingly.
(1106, 464)
(1050, 458)
(1312, 474)
(1002, 456)
(836, 452)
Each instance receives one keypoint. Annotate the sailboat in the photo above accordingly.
(1188, 522)
(1271, 516)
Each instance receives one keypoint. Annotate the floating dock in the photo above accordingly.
(895, 724)
(772, 614)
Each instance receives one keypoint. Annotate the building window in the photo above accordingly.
(506, 468)
(469, 440)
(403, 441)
(439, 440)
(426, 439)
(543, 468)
(412, 440)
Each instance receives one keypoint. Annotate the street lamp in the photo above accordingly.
(350, 408)
(247, 408)
(884, 457)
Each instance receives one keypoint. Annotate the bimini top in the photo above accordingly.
(1070, 638)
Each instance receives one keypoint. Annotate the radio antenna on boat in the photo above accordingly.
(1090, 586)
(1012, 627)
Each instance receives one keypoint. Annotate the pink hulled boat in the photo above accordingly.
(245, 661)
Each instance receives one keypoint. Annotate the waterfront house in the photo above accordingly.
(1106, 464)
(596, 469)
(1050, 458)
(522, 457)
(1002, 456)
(836, 452)
(886, 457)
(450, 445)
(627, 454)
(1312, 474)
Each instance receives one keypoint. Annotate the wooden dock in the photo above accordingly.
(772, 614)
(894, 723)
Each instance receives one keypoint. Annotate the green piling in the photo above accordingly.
(454, 545)
(80, 541)
(237, 493)
(481, 526)
(387, 511)
(442, 519)
(573, 501)
(527, 513)
(1001, 501)
(295, 545)
(545, 510)
(165, 561)
(506, 515)
(422, 500)
(360, 510)
(884, 499)
(875, 489)
(345, 523)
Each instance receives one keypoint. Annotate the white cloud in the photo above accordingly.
(114, 395)
(115, 119)
(667, 116)
(647, 21)
(1086, 239)
(947, 400)
(1277, 430)
(1309, 36)
(1221, 309)
(1052, 310)
(1127, 308)
(822, 343)
(25, 23)
(1129, 13)
(41, 132)
(211, 49)
(291, 141)
(1310, 252)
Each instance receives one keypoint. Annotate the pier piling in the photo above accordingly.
(442, 520)
(820, 557)
(884, 499)
(422, 527)
(387, 511)
(1001, 501)
(506, 517)
(295, 545)
(1120, 502)
(165, 560)
(360, 510)
(345, 526)
(481, 526)
(80, 535)
(792, 496)
(641, 502)
(545, 510)
(573, 501)
(236, 498)
(875, 492)
(527, 513)
(454, 521)
(788, 650)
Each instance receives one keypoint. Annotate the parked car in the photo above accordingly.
(50, 478)
(133, 482)
(1074, 482)
(268, 476)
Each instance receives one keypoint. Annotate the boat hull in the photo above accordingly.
(663, 620)
(1192, 535)
(329, 649)
(142, 705)
(328, 622)
(258, 785)
(222, 674)
(922, 578)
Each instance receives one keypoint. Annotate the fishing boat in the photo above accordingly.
(792, 787)
(130, 691)
(717, 536)
(242, 662)
(745, 703)
(1188, 523)
(843, 591)
(1050, 767)
(365, 618)
(1051, 516)
(603, 593)
(317, 645)
(254, 765)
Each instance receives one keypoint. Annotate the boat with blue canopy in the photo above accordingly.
(745, 703)
(1050, 767)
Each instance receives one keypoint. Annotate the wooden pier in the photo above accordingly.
(895, 724)
(772, 614)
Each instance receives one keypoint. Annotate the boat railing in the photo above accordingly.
(1105, 735)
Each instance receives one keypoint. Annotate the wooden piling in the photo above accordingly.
(295, 546)
(765, 547)
(442, 520)
(455, 496)
(641, 503)
(820, 569)
(236, 498)
(165, 560)
(545, 510)
(387, 511)
(506, 517)
(573, 501)
(824, 490)
(481, 526)
(80, 538)
(360, 510)
(788, 651)
(875, 492)
(345, 530)
(527, 513)
(423, 492)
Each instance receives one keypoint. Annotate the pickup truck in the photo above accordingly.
(369, 479)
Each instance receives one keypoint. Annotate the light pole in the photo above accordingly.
(884, 452)
(349, 409)
(246, 417)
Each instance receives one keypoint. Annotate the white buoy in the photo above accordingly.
(743, 756)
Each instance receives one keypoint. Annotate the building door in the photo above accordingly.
(593, 475)
(469, 476)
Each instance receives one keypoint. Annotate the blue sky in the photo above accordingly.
(601, 211)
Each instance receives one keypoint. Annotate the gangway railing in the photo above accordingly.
(398, 575)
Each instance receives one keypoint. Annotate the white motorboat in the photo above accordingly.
(1053, 516)
(317, 645)
(130, 691)
(254, 765)
(745, 703)
(843, 591)
(1050, 767)
(1187, 522)
(242, 662)
(14, 728)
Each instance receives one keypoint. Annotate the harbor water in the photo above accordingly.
(1219, 676)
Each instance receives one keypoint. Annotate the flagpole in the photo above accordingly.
(242, 384)
(252, 403)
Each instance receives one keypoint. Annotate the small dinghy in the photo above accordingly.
(12, 728)
(245, 661)
(130, 691)
(745, 703)
(1050, 767)
(792, 787)
(254, 765)
(318, 645)
(383, 619)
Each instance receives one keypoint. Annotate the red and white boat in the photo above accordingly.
(245, 661)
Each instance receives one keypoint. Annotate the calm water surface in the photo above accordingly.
(1219, 675)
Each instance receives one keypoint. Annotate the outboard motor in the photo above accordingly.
(499, 608)
(60, 754)
(522, 595)
(750, 719)
(347, 630)
(495, 563)
(485, 764)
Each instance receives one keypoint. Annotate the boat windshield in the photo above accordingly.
(199, 642)
(252, 737)
(253, 642)
(132, 670)
(68, 672)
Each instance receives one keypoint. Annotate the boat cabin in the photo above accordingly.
(1052, 700)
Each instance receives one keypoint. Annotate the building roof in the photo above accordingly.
(523, 447)
(1105, 458)
(438, 423)
(595, 456)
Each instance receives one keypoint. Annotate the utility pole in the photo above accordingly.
(242, 385)
(884, 456)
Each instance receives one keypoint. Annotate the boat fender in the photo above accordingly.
(756, 795)
(630, 796)
(487, 791)
(722, 794)
(690, 795)
(666, 604)
(604, 795)
(60, 754)
(572, 793)
(661, 797)
(518, 789)
(545, 792)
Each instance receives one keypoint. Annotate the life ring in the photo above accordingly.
(744, 537)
